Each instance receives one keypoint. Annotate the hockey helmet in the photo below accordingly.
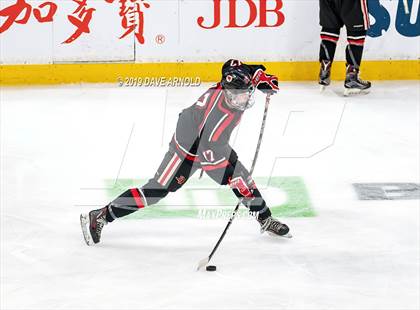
(238, 87)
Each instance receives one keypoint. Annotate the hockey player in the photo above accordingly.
(201, 140)
(333, 14)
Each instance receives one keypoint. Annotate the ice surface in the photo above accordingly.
(59, 144)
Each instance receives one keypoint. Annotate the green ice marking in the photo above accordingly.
(286, 197)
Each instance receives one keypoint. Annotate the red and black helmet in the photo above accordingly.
(237, 83)
(235, 75)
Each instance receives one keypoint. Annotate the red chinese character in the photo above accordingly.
(51, 11)
(84, 15)
(15, 10)
(132, 17)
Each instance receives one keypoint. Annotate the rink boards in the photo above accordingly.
(192, 38)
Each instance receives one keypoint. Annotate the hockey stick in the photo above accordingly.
(207, 259)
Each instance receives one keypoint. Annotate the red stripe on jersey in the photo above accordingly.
(210, 104)
(225, 123)
(169, 170)
(223, 164)
(185, 155)
(136, 195)
(328, 38)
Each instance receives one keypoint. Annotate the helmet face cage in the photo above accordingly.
(240, 99)
(238, 88)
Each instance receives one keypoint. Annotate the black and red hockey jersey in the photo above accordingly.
(204, 129)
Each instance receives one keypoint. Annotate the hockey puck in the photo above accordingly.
(211, 268)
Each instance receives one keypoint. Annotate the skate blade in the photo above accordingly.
(355, 91)
(84, 223)
(322, 88)
(287, 236)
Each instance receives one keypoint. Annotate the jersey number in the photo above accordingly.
(202, 101)
(235, 63)
(208, 155)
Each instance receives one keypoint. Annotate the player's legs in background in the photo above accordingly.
(329, 39)
(354, 52)
(356, 18)
(238, 178)
(171, 175)
(331, 22)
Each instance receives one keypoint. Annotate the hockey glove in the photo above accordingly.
(242, 186)
(267, 83)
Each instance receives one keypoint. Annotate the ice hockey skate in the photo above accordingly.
(353, 83)
(92, 225)
(274, 227)
(325, 74)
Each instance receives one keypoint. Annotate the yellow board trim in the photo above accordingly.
(207, 72)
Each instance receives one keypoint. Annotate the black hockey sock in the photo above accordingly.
(354, 50)
(329, 38)
(135, 199)
(153, 191)
(128, 202)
